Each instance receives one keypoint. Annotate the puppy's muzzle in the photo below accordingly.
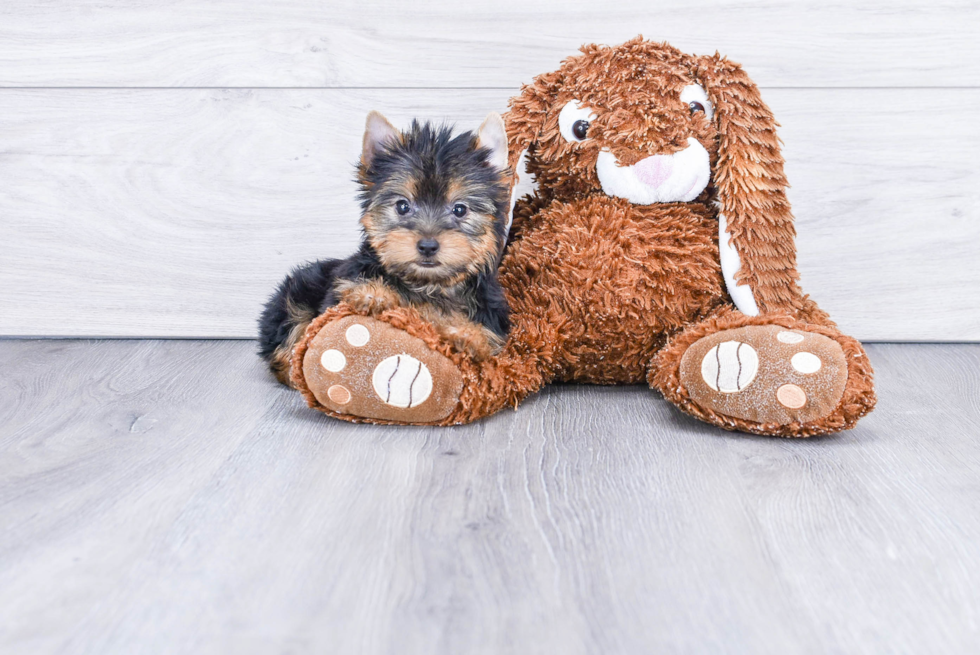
(427, 247)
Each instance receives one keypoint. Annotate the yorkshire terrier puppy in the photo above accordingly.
(434, 208)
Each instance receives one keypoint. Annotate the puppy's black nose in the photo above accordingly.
(427, 247)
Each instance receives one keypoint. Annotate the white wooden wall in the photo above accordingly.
(163, 164)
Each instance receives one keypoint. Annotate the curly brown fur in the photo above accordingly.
(434, 209)
(617, 278)
(635, 91)
(607, 289)
(464, 335)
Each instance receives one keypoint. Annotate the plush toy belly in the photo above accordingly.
(617, 278)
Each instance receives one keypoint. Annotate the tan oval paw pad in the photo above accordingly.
(339, 394)
(791, 396)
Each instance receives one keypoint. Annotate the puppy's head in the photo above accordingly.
(645, 122)
(434, 204)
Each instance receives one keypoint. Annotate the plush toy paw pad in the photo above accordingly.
(357, 335)
(766, 373)
(333, 360)
(364, 367)
(790, 395)
(730, 366)
(402, 381)
(339, 394)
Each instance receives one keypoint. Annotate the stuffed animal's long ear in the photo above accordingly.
(528, 113)
(525, 120)
(756, 233)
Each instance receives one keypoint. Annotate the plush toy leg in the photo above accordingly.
(771, 375)
(395, 368)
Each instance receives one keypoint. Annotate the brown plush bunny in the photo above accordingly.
(658, 247)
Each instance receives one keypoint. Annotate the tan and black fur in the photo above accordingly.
(434, 209)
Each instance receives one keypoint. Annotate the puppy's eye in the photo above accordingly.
(402, 207)
(696, 99)
(574, 120)
(459, 210)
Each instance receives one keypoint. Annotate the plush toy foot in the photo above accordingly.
(766, 374)
(357, 366)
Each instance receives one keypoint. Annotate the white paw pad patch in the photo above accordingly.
(730, 366)
(333, 360)
(357, 335)
(402, 381)
(789, 337)
(806, 362)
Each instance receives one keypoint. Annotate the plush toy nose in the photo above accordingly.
(654, 171)
(427, 247)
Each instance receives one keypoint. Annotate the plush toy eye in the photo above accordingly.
(402, 207)
(697, 100)
(459, 210)
(574, 120)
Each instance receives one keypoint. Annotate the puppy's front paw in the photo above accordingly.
(370, 297)
(476, 341)
(368, 304)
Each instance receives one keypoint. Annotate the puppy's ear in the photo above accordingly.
(756, 234)
(377, 132)
(493, 136)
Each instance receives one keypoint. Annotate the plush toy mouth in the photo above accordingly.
(680, 177)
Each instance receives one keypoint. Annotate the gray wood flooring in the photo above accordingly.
(168, 497)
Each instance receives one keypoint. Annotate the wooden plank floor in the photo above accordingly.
(167, 497)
